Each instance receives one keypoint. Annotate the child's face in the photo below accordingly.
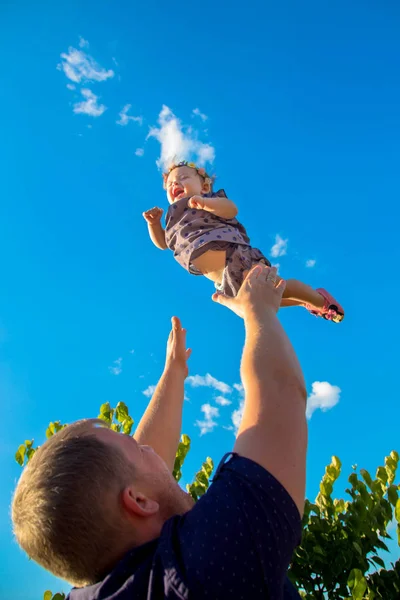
(184, 182)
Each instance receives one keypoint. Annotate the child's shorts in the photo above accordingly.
(239, 259)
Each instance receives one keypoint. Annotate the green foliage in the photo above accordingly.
(342, 538)
(183, 449)
(54, 428)
(49, 596)
(25, 452)
(117, 418)
(201, 481)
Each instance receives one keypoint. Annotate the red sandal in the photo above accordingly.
(331, 311)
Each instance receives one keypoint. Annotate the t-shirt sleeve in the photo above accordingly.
(238, 540)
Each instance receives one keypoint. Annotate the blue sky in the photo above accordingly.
(303, 131)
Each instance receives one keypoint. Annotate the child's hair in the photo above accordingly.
(184, 163)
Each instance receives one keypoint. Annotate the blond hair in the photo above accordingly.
(65, 504)
(207, 179)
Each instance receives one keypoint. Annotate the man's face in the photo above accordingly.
(183, 182)
(153, 476)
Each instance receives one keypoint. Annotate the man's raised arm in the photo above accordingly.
(273, 431)
(160, 426)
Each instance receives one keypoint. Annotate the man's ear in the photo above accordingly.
(136, 503)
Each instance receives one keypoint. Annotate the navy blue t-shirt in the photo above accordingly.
(236, 543)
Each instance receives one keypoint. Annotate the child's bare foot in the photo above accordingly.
(331, 310)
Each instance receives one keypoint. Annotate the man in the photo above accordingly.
(102, 510)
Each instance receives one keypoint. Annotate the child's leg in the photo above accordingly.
(289, 302)
(301, 294)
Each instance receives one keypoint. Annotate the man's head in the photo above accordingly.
(184, 180)
(89, 495)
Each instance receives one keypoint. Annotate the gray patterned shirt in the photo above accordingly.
(189, 230)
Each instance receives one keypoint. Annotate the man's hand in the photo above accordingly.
(261, 290)
(177, 354)
(153, 215)
(198, 202)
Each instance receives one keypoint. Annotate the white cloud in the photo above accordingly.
(116, 369)
(276, 265)
(83, 43)
(237, 417)
(89, 106)
(239, 387)
(139, 152)
(202, 116)
(222, 401)
(79, 67)
(150, 391)
(323, 396)
(310, 263)
(280, 247)
(71, 86)
(208, 424)
(124, 118)
(209, 381)
(179, 142)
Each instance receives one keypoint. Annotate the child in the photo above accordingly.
(207, 239)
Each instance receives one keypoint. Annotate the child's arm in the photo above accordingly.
(156, 231)
(222, 207)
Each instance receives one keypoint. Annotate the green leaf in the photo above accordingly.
(395, 456)
(397, 511)
(106, 413)
(59, 597)
(201, 477)
(30, 453)
(318, 550)
(358, 548)
(378, 561)
(367, 477)
(382, 475)
(47, 595)
(353, 479)
(121, 412)
(127, 425)
(393, 495)
(20, 455)
(357, 584)
(116, 427)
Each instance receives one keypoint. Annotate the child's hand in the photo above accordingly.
(197, 202)
(153, 215)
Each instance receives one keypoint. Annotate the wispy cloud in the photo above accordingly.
(239, 387)
(179, 142)
(83, 43)
(237, 417)
(116, 368)
(198, 113)
(139, 152)
(71, 86)
(149, 391)
(222, 401)
(89, 106)
(209, 381)
(208, 423)
(280, 247)
(124, 118)
(79, 66)
(310, 263)
(324, 396)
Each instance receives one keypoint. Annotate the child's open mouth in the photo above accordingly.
(177, 193)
